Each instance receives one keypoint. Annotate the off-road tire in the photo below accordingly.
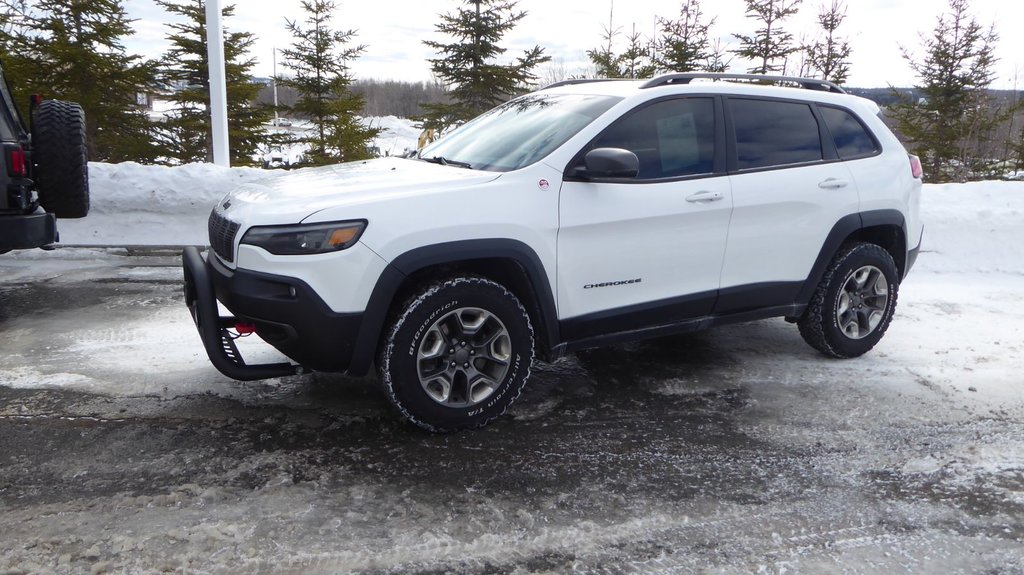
(419, 322)
(820, 324)
(61, 159)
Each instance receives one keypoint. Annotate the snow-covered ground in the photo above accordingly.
(968, 278)
(398, 135)
(738, 450)
(133, 204)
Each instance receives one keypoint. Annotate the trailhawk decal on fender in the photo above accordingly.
(615, 283)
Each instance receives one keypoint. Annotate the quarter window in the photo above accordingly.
(852, 139)
(770, 133)
(671, 138)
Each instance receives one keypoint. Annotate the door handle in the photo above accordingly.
(704, 196)
(833, 184)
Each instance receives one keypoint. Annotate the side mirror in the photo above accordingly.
(609, 163)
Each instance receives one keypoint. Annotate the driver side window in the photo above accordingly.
(671, 138)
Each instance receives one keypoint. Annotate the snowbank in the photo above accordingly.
(398, 135)
(134, 204)
(959, 326)
(976, 227)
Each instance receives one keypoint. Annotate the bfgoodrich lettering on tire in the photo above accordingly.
(854, 303)
(457, 354)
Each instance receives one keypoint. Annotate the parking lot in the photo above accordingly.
(738, 450)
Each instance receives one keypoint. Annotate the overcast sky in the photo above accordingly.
(394, 31)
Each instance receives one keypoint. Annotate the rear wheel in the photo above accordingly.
(854, 302)
(61, 159)
(457, 355)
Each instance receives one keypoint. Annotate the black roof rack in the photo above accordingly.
(684, 78)
(582, 81)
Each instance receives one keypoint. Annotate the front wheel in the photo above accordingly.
(457, 354)
(854, 303)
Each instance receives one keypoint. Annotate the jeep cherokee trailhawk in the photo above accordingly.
(583, 214)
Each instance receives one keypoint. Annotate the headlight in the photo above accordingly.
(305, 239)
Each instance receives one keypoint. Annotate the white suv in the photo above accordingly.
(583, 214)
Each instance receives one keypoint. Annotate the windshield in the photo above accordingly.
(518, 133)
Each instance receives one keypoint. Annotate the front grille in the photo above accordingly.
(222, 236)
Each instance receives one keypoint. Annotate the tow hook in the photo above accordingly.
(245, 328)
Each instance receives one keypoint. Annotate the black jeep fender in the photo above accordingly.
(458, 254)
(854, 227)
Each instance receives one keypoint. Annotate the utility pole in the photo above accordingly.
(274, 80)
(218, 83)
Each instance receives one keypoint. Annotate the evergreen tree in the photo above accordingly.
(467, 65)
(72, 50)
(685, 45)
(187, 136)
(717, 61)
(604, 59)
(634, 62)
(770, 45)
(829, 56)
(953, 119)
(319, 59)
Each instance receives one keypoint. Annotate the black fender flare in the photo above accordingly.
(391, 279)
(844, 228)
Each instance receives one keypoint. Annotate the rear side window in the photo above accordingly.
(851, 137)
(671, 138)
(770, 133)
(6, 133)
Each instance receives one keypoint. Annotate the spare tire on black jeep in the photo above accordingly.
(61, 159)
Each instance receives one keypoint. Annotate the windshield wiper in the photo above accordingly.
(446, 162)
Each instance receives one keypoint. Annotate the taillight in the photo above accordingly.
(915, 166)
(16, 162)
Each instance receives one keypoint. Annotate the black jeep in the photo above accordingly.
(43, 172)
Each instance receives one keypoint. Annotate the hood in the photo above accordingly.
(294, 196)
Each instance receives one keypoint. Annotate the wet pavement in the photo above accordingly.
(738, 450)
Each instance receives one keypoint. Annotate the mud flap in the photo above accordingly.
(213, 328)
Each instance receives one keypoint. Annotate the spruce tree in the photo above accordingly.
(717, 60)
(468, 66)
(187, 135)
(604, 58)
(685, 45)
(634, 62)
(953, 120)
(318, 59)
(771, 44)
(829, 56)
(72, 50)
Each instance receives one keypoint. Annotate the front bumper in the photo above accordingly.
(213, 328)
(287, 314)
